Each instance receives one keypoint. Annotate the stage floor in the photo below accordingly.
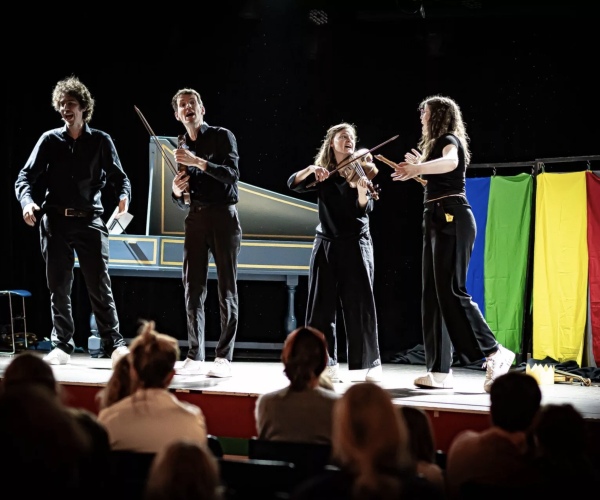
(251, 379)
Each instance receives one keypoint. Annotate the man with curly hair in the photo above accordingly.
(75, 162)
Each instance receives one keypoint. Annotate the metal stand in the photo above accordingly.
(22, 294)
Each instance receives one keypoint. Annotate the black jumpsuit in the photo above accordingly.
(342, 271)
(450, 317)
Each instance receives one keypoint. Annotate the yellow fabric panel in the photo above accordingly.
(560, 270)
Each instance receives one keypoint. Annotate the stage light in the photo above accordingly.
(319, 17)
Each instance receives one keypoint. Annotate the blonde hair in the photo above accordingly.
(371, 440)
(184, 470)
(325, 157)
(445, 118)
(152, 356)
(119, 385)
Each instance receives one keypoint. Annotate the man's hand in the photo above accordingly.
(405, 171)
(320, 173)
(28, 216)
(123, 206)
(180, 184)
(186, 157)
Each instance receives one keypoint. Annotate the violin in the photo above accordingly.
(181, 144)
(357, 165)
(363, 166)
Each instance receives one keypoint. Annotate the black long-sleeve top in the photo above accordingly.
(217, 185)
(340, 214)
(75, 170)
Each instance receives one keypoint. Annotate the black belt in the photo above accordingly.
(71, 212)
(194, 209)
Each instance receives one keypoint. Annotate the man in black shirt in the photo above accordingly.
(212, 226)
(75, 162)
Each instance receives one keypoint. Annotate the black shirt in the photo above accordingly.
(451, 182)
(76, 170)
(340, 215)
(217, 185)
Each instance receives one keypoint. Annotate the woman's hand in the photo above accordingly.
(405, 171)
(320, 173)
(180, 184)
(363, 186)
(414, 159)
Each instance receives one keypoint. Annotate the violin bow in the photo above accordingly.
(349, 160)
(394, 165)
(156, 141)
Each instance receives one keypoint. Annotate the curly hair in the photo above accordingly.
(73, 87)
(445, 118)
(325, 157)
(185, 92)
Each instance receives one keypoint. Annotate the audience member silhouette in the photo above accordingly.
(119, 384)
(499, 455)
(302, 412)
(151, 417)
(420, 439)
(184, 471)
(370, 442)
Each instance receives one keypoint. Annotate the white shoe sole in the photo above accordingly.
(218, 375)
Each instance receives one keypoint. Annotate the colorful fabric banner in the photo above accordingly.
(506, 251)
(593, 245)
(560, 274)
(478, 193)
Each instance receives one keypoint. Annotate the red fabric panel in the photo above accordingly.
(593, 237)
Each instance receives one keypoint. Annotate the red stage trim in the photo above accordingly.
(232, 415)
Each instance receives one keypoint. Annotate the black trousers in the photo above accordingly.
(60, 237)
(450, 317)
(211, 230)
(343, 271)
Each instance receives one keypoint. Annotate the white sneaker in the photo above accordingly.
(333, 372)
(374, 374)
(57, 357)
(496, 365)
(221, 368)
(117, 354)
(191, 367)
(436, 380)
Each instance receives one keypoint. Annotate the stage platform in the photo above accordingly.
(228, 404)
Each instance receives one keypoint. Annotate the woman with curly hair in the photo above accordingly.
(341, 265)
(450, 317)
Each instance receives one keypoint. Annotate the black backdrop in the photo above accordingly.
(277, 80)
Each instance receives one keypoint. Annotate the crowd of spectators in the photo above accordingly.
(379, 450)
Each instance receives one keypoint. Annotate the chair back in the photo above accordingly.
(251, 479)
(309, 459)
(129, 473)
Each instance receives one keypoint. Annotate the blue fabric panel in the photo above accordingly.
(478, 194)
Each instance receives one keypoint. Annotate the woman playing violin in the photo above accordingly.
(341, 265)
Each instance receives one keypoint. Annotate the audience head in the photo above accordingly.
(559, 430)
(152, 358)
(38, 434)
(370, 440)
(516, 400)
(420, 435)
(119, 385)
(182, 471)
(29, 369)
(305, 357)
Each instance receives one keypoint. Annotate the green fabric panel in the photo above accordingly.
(505, 257)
